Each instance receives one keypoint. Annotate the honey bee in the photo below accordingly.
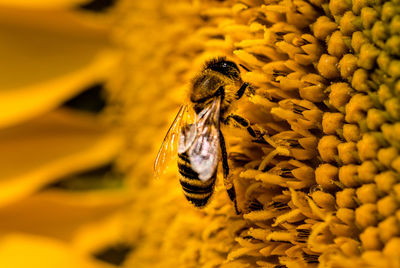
(195, 133)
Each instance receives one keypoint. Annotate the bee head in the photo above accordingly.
(225, 67)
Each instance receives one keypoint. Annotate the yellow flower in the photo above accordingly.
(321, 189)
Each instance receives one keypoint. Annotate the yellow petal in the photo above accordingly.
(43, 3)
(18, 250)
(57, 144)
(48, 57)
(66, 216)
(96, 236)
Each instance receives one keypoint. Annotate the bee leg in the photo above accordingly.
(241, 122)
(230, 187)
(241, 90)
(239, 94)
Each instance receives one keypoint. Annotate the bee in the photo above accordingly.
(195, 133)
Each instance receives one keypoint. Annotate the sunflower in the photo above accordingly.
(90, 88)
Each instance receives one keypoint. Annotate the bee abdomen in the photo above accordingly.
(196, 191)
(187, 172)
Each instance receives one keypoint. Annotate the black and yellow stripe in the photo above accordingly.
(196, 191)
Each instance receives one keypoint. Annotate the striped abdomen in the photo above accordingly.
(196, 191)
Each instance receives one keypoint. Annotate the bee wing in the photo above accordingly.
(204, 151)
(170, 145)
(187, 135)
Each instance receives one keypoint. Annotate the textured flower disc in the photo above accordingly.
(322, 190)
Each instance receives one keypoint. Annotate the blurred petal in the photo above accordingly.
(41, 252)
(62, 215)
(101, 234)
(43, 3)
(55, 145)
(48, 57)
